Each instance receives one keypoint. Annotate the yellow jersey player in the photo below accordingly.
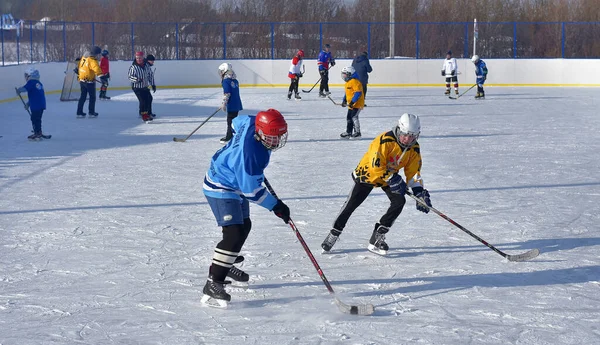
(354, 99)
(380, 166)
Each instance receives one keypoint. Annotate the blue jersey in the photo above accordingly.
(236, 170)
(481, 71)
(324, 60)
(232, 87)
(35, 93)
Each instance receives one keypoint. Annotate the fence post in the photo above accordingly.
(45, 40)
(2, 37)
(369, 38)
(93, 34)
(65, 39)
(417, 34)
(272, 41)
(177, 41)
(514, 40)
(18, 48)
(563, 38)
(132, 43)
(466, 48)
(31, 41)
(224, 41)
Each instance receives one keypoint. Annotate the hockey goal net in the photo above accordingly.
(70, 89)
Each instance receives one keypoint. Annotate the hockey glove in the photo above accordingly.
(344, 104)
(443, 73)
(108, 75)
(351, 104)
(282, 211)
(153, 88)
(453, 72)
(332, 63)
(422, 194)
(397, 184)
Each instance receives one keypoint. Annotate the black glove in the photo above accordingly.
(282, 211)
(298, 75)
(332, 63)
(344, 104)
(397, 184)
(351, 104)
(443, 73)
(422, 194)
(453, 72)
(153, 88)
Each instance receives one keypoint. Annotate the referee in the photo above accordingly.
(141, 78)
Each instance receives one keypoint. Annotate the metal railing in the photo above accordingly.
(44, 41)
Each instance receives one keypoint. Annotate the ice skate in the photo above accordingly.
(356, 135)
(447, 92)
(225, 140)
(146, 118)
(93, 115)
(81, 115)
(215, 295)
(239, 278)
(345, 135)
(297, 96)
(456, 91)
(330, 240)
(35, 137)
(377, 243)
(289, 95)
(322, 95)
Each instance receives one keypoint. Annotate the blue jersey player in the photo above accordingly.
(234, 179)
(481, 72)
(325, 61)
(37, 102)
(232, 103)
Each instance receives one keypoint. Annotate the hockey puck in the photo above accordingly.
(354, 310)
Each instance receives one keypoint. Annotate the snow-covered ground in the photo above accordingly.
(106, 237)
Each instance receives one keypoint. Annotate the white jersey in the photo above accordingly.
(297, 68)
(449, 65)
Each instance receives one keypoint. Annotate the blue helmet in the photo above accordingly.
(104, 52)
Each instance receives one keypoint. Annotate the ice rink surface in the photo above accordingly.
(106, 237)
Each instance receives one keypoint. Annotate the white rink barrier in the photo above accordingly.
(273, 73)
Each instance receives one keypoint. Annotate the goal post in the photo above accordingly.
(70, 89)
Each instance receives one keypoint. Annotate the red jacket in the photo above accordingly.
(104, 65)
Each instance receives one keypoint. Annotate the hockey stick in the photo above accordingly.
(313, 86)
(459, 96)
(518, 257)
(182, 140)
(24, 104)
(331, 99)
(364, 309)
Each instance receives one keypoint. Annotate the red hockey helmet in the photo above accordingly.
(271, 129)
(300, 54)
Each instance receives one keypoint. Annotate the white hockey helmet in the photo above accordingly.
(347, 72)
(475, 58)
(407, 130)
(32, 73)
(225, 68)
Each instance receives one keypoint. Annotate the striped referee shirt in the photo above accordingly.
(140, 76)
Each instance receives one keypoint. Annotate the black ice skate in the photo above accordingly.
(215, 295)
(356, 135)
(239, 277)
(81, 115)
(345, 135)
(330, 240)
(289, 95)
(377, 243)
(447, 92)
(225, 140)
(93, 115)
(297, 96)
(35, 137)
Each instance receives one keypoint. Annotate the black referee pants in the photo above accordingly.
(145, 98)
(358, 194)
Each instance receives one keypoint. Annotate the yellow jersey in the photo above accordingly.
(354, 85)
(386, 157)
(88, 69)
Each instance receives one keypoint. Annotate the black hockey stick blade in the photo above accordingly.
(363, 309)
(331, 99)
(179, 140)
(525, 256)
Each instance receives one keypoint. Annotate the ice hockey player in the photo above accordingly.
(481, 72)
(450, 71)
(363, 67)
(36, 103)
(354, 99)
(140, 82)
(295, 73)
(233, 180)
(88, 71)
(150, 63)
(104, 66)
(324, 62)
(232, 103)
(379, 167)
